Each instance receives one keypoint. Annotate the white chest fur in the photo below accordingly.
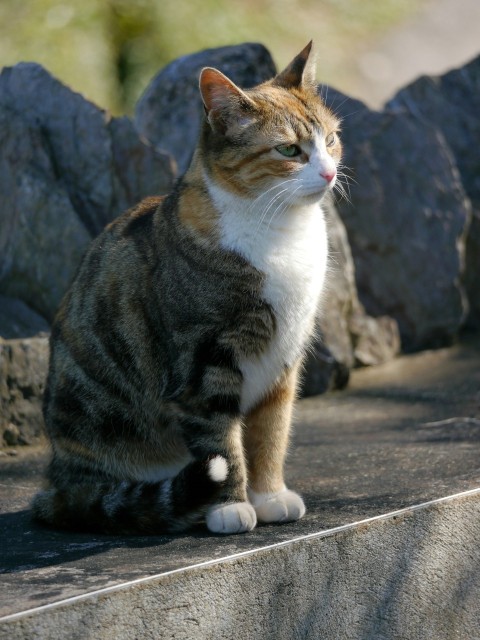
(291, 250)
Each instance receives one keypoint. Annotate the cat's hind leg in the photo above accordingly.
(83, 501)
(266, 443)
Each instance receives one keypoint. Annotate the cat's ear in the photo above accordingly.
(226, 105)
(300, 72)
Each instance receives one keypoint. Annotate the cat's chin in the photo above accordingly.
(313, 197)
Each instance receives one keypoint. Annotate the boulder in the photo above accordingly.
(353, 337)
(452, 104)
(66, 169)
(41, 236)
(406, 221)
(23, 367)
(18, 320)
(347, 336)
(169, 113)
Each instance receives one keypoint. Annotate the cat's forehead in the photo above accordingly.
(301, 110)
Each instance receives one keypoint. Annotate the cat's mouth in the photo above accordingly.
(316, 192)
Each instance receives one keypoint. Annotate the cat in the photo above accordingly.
(175, 353)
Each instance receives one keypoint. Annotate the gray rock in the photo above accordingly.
(81, 140)
(452, 104)
(348, 337)
(41, 237)
(374, 340)
(169, 112)
(406, 222)
(17, 320)
(66, 169)
(23, 368)
(138, 170)
(353, 337)
(322, 371)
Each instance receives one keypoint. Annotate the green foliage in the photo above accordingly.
(110, 49)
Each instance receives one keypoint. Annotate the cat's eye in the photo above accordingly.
(330, 140)
(289, 150)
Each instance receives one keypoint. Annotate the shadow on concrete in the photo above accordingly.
(33, 546)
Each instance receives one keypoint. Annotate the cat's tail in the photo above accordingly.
(133, 507)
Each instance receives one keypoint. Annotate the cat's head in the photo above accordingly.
(278, 135)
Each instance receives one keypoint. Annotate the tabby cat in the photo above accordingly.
(176, 351)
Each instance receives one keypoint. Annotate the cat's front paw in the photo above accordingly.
(284, 506)
(236, 517)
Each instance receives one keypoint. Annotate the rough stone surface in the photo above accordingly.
(18, 320)
(414, 576)
(66, 169)
(169, 113)
(404, 433)
(375, 340)
(406, 222)
(347, 336)
(23, 366)
(41, 237)
(452, 104)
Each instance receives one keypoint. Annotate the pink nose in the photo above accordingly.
(329, 175)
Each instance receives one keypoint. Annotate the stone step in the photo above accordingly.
(388, 549)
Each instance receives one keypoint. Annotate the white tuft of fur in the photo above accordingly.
(284, 506)
(237, 517)
(217, 469)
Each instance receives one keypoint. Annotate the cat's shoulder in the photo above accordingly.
(137, 217)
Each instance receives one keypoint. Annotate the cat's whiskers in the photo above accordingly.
(286, 203)
(270, 204)
(343, 192)
(272, 201)
(337, 106)
(342, 185)
(264, 193)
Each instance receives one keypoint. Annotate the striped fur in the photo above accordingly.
(174, 354)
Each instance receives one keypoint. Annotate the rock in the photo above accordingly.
(374, 340)
(41, 237)
(406, 222)
(138, 169)
(66, 169)
(169, 113)
(452, 104)
(347, 336)
(322, 372)
(17, 320)
(23, 369)
(12, 435)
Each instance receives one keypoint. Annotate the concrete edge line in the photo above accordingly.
(208, 563)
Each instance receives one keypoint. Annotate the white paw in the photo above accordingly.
(284, 506)
(236, 517)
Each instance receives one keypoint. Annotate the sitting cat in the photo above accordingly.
(175, 353)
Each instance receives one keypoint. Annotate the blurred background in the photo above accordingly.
(109, 50)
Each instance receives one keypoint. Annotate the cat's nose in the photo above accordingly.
(329, 175)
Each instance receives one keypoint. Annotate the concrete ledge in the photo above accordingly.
(389, 548)
(413, 573)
